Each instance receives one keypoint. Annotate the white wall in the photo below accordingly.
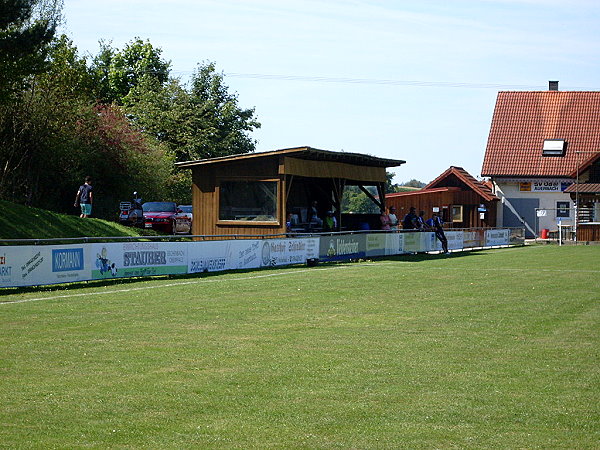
(511, 188)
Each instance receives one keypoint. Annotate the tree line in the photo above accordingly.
(119, 116)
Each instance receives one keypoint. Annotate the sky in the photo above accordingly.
(409, 80)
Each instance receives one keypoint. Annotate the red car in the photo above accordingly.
(160, 216)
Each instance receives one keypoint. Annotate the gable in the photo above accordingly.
(523, 121)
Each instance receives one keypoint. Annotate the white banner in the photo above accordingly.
(31, 265)
(497, 237)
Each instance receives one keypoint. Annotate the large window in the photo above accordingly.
(254, 201)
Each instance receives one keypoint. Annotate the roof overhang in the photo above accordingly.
(307, 153)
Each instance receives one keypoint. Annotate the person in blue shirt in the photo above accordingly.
(84, 198)
(436, 224)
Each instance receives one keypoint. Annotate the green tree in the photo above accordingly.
(202, 121)
(26, 29)
(118, 72)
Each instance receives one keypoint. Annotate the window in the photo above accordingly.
(457, 213)
(562, 209)
(247, 200)
(554, 147)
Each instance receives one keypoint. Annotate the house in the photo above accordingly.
(462, 201)
(585, 193)
(537, 143)
(255, 194)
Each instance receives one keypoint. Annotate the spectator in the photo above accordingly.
(84, 198)
(421, 224)
(330, 222)
(393, 218)
(385, 220)
(313, 215)
(436, 223)
(410, 220)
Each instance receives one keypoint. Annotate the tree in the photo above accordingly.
(118, 72)
(202, 121)
(26, 29)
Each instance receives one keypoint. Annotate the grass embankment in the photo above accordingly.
(24, 222)
(489, 349)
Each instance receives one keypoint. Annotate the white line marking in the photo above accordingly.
(158, 286)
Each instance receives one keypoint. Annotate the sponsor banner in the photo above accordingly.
(212, 256)
(250, 253)
(341, 247)
(376, 244)
(472, 239)
(419, 241)
(138, 259)
(32, 265)
(455, 240)
(544, 185)
(497, 237)
(281, 252)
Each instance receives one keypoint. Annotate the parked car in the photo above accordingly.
(183, 219)
(131, 213)
(160, 216)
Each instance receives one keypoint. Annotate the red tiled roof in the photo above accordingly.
(482, 189)
(523, 120)
(588, 188)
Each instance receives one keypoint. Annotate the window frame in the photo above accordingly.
(559, 209)
(272, 223)
(457, 217)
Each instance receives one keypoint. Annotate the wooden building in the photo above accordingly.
(461, 200)
(585, 194)
(256, 193)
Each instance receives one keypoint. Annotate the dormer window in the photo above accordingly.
(554, 147)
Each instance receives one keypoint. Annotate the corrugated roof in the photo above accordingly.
(303, 153)
(523, 120)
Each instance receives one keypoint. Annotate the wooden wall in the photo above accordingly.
(588, 232)
(469, 200)
(205, 196)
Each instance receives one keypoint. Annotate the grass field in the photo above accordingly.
(24, 222)
(488, 349)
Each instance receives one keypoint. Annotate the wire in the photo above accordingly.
(445, 84)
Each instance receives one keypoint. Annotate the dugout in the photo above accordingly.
(253, 194)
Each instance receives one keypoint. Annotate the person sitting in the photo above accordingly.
(313, 216)
(330, 222)
(410, 220)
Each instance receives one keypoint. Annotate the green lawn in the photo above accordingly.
(488, 349)
(24, 222)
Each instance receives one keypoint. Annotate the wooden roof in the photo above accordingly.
(307, 153)
(523, 120)
(585, 188)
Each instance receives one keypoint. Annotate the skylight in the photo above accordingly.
(554, 147)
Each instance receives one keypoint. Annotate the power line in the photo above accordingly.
(372, 81)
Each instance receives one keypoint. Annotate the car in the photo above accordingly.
(183, 219)
(160, 216)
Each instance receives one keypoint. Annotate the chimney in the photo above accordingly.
(553, 85)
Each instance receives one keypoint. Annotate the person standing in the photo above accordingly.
(436, 223)
(393, 218)
(410, 220)
(385, 220)
(85, 198)
(421, 224)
